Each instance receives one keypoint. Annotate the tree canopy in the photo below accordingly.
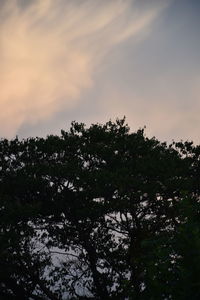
(99, 213)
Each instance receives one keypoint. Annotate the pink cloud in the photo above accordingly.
(51, 49)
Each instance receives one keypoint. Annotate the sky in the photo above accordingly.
(96, 60)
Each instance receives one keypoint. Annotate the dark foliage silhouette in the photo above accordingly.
(99, 213)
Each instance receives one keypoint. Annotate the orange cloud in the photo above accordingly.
(51, 49)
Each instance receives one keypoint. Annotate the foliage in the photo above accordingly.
(99, 213)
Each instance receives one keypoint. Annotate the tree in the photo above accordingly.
(99, 213)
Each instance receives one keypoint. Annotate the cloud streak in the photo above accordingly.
(50, 51)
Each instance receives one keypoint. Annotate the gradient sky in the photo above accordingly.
(95, 60)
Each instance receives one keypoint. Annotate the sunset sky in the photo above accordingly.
(95, 60)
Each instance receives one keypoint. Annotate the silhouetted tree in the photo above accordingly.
(99, 213)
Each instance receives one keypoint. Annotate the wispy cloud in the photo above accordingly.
(50, 50)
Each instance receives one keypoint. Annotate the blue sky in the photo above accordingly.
(92, 60)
